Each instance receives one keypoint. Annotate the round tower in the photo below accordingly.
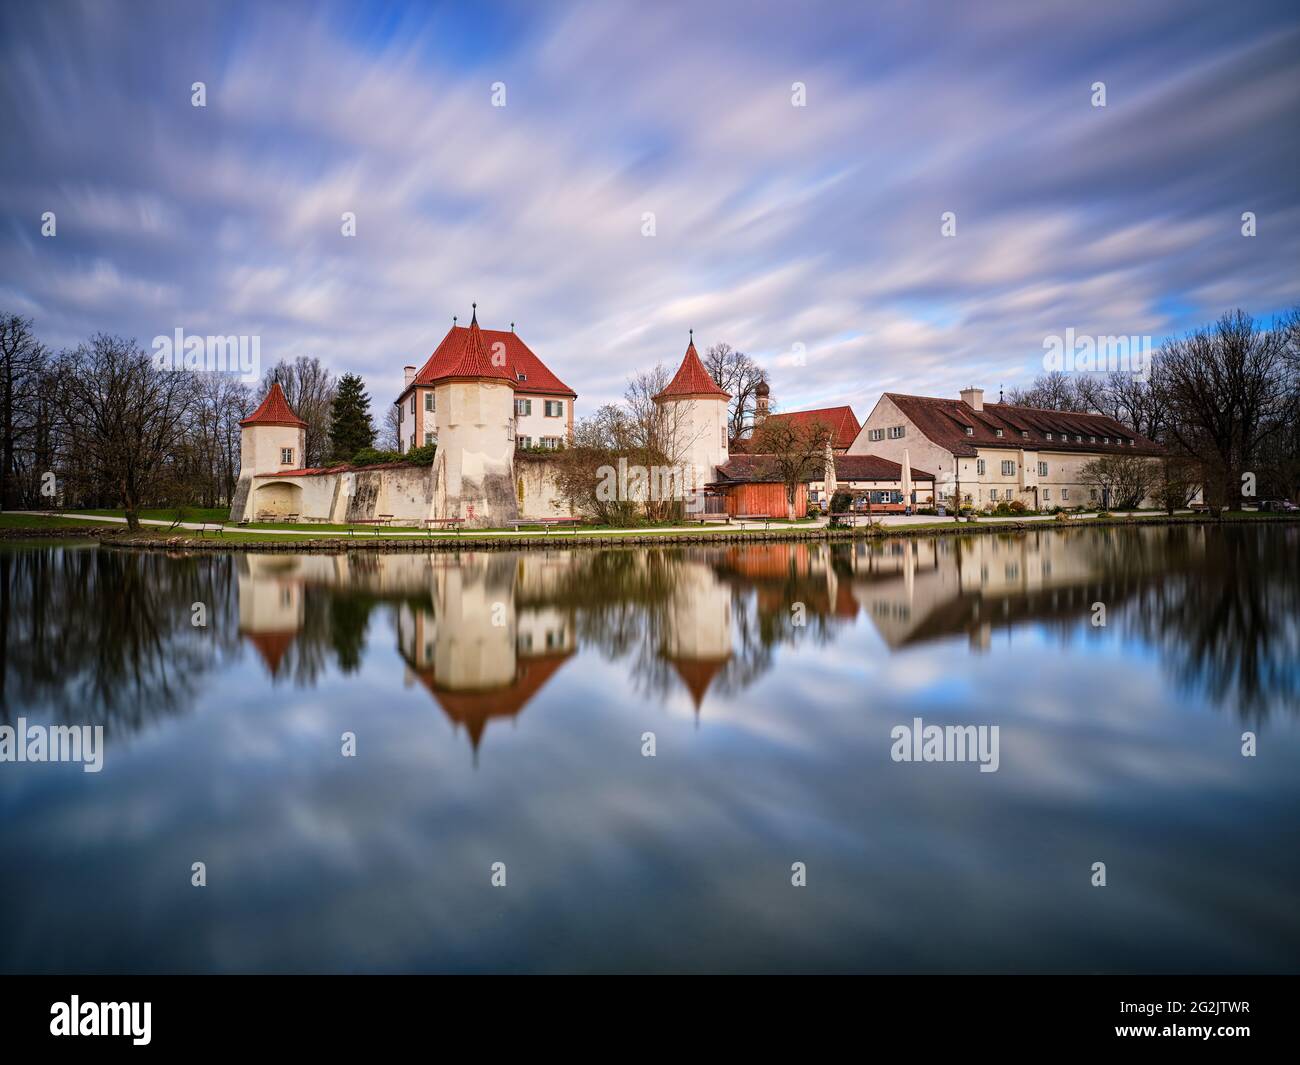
(474, 415)
(273, 439)
(698, 419)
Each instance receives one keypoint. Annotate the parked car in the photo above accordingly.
(1278, 506)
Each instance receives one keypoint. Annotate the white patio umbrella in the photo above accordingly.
(907, 477)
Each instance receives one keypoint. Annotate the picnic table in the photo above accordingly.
(546, 523)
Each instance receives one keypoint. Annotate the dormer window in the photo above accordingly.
(1078, 439)
(970, 431)
(1105, 440)
(520, 375)
(1048, 435)
(1092, 439)
(1024, 433)
(997, 432)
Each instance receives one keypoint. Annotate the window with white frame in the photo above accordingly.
(993, 493)
(550, 441)
(286, 456)
(413, 406)
(523, 407)
(1065, 493)
(1042, 469)
(428, 402)
(875, 434)
(997, 432)
(428, 437)
(554, 408)
(1008, 467)
(969, 431)
(523, 441)
(896, 432)
(1047, 494)
(979, 467)
(1048, 436)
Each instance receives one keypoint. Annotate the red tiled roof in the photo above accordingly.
(761, 469)
(842, 421)
(873, 468)
(944, 421)
(275, 410)
(692, 379)
(520, 359)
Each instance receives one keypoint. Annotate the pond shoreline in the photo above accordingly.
(114, 537)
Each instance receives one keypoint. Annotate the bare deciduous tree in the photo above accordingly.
(738, 375)
(792, 450)
(309, 388)
(130, 418)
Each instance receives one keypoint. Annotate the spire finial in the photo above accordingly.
(454, 319)
(474, 320)
(692, 336)
(512, 327)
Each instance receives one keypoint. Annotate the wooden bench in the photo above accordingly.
(454, 523)
(705, 519)
(208, 527)
(546, 523)
(364, 521)
(385, 519)
(764, 518)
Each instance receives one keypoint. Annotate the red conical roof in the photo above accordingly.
(469, 359)
(692, 379)
(275, 410)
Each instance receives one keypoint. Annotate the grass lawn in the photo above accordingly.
(208, 514)
(41, 521)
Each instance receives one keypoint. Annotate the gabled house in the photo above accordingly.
(543, 404)
(997, 452)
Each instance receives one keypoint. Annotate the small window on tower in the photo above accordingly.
(286, 456)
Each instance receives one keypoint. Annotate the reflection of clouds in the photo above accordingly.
(380, 862)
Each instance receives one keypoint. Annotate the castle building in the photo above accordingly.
(543, 404)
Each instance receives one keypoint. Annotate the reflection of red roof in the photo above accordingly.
(692, 379)
(842, 422)
(697, 674)
(473, 709)
(519, 359)
(275, 410)
(271, 646)
(945, 422)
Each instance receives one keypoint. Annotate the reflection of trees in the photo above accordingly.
(1231, 627)
(101, 636)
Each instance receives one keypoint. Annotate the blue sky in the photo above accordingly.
(778, 228)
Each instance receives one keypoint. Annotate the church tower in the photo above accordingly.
(699, 418)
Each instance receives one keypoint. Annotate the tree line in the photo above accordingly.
(105, 425)
(1223, 401)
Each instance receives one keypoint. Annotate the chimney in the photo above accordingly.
(973, 398)
(409, 371)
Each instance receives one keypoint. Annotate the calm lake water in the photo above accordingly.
(499, 703)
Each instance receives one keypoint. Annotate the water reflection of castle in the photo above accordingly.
(484, 632)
